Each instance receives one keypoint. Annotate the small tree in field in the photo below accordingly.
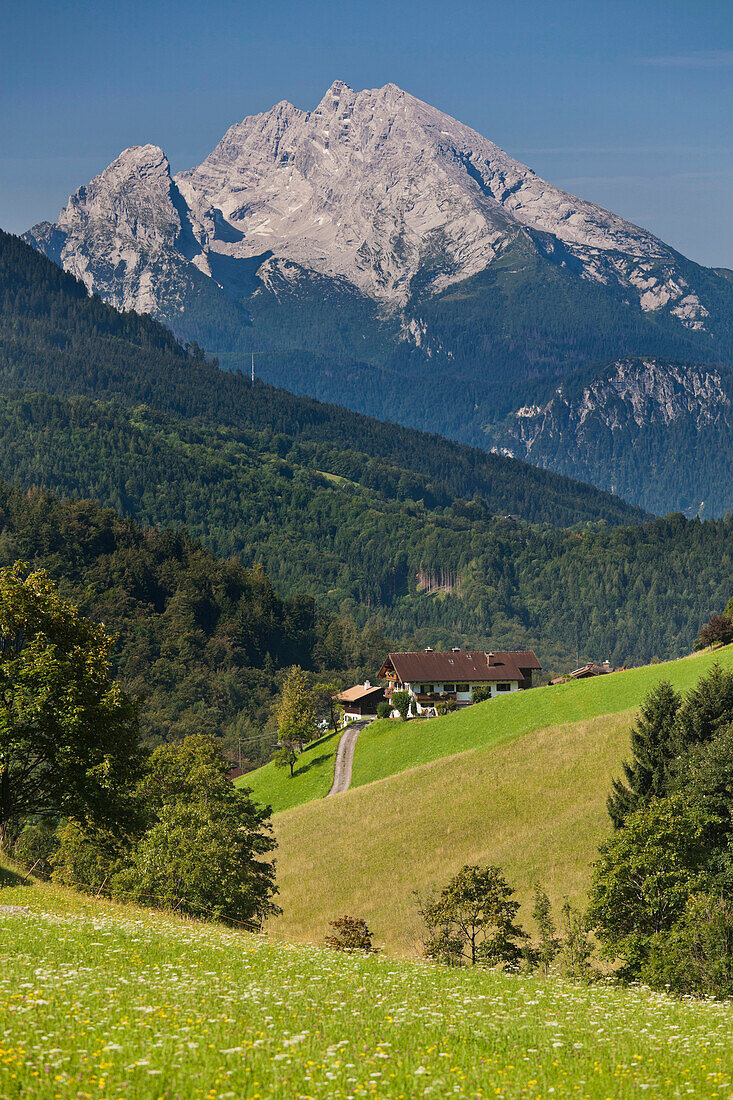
(296, 715)
(401, 703)
(472, 920)
(575, 946)
(549, 944)
(286, 757)
(384, 709)
(350, 934)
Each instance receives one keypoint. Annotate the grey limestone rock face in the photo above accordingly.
(366, 188)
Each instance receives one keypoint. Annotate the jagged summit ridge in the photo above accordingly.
(375, 187)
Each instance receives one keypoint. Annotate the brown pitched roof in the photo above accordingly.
(353, 695)
(451, 666)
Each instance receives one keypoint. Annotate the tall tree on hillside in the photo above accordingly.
(69, 735)
(652, 746)
(296, 716)
(706, 710)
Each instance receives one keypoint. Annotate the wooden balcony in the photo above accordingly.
(435, 696)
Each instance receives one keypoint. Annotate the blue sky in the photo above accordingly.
(629, 104)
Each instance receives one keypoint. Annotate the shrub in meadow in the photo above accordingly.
(350, 934)
(35, 847)
(401, 702)
(696, 956)
(384, 709)
(86, 858)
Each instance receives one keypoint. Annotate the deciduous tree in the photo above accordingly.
(646, 874)
(68, 732)
(472, 920)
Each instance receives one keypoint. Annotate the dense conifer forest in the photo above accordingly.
(411, 538)
(203, 641)
(56, 339)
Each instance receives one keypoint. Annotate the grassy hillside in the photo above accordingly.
(312, 779)
(388, 747)
(531, 799)
(98, 1000)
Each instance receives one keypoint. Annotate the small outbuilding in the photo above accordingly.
(360, 701)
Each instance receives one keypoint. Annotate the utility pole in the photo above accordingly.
(253, 368)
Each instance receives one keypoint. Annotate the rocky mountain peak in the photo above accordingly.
(374, 187)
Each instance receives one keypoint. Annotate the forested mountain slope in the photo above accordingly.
(202, 640)
(393, 548)
(654, 430)
(56, 339)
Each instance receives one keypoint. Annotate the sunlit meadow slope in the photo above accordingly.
(531, 798)
(387, 748)
(98, 1000)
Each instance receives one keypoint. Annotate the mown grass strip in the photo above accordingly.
(312, 779)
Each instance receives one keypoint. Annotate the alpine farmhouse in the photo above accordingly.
(432, 677)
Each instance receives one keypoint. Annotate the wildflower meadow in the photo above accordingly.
(98, 1000)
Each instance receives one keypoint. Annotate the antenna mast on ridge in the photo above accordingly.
(253, 368)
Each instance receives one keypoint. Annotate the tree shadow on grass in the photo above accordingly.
(10, 878)
(312, 763)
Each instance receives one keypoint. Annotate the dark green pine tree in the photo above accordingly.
(653, 748)
(707, 709)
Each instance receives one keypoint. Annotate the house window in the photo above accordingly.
(449, 687)
(462, 687)
(503, 687)
(426, 689)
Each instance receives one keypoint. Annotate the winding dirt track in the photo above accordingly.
(345, 757)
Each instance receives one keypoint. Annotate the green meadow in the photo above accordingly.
(101, 1001)
(388, 747)
(313, 776)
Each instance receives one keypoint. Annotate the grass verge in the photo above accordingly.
(313, 776)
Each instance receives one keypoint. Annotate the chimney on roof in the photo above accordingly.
(490, 659)
(428, 649)
(606, 664)
(456, 649)
(367, 684)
